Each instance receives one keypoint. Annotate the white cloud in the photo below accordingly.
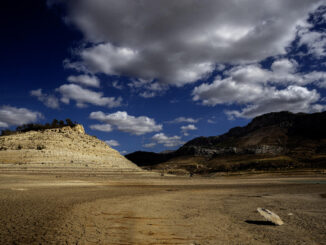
(184, 119)
(179, 42)
(284, 66)
(96, 58)
(126, 123)
(147, 94)
(84, 96)
(187, 128)
(48, 100)
(102, 127)
(172, 141)
(283, 71)
(293, 98)
(149, 145)
(228, 91)
(86, 80)
(314, 40)
(112, 143)
(3, 125)
(10, 116)
(117, 85)
(123, 152)
(262, 90)
(146, 88)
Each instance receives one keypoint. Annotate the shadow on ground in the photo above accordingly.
(259, 222)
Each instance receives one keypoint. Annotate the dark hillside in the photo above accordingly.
(271, 141)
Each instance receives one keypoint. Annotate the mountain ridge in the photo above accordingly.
(295, 137)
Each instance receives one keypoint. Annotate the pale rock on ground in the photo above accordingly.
(270, 216)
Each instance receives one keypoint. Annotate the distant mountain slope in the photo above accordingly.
(286, 139)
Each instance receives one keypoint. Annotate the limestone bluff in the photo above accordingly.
(60, 147)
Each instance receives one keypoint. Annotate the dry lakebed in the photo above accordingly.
(79, 208)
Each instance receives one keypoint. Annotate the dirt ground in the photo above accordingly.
(110, 209)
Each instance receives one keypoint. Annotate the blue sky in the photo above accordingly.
(151, 75)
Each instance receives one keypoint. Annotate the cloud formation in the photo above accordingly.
(48, 100)
(179, 42)
(163, 43)
(146, 88)
(293, 98)
(102, 127)
(187, 128)
(86, 80)
(314, 40)
(167, 141)
(84, 96)
(184, 119)
(262, 90)
(121, 121)
(112, 143)
(149, 145)
(13, 116)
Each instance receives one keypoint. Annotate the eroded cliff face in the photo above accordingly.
(67, 146)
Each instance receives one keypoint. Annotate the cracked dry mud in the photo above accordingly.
(72, 209)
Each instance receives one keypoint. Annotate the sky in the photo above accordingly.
(153, 74)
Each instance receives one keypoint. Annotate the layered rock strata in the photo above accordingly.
(67, 146)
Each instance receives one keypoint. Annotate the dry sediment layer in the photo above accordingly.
(61, 147)
(44, 209)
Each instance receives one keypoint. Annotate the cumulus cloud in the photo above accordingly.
(284, 66)
(314, 40)
(263, 90)
(102, 127)
(147, 88)
(187, 128)
(126, 123)
(48, 100)
(13, 116)
(86, 80)
(84, 96)
(112, 143)
(184, 119)
(293, 98)
(149, 145)
(167, 141)
(282, 71)
(179, 42)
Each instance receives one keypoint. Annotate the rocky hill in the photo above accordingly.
(274, 140)
(60, 147)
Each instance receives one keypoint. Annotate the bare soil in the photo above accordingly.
(74, 208)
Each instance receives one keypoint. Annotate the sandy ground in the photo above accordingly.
(108, 209)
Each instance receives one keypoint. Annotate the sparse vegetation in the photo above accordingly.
(40, 147)
(38, 127)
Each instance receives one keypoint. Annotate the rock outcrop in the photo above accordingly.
(66, 146)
